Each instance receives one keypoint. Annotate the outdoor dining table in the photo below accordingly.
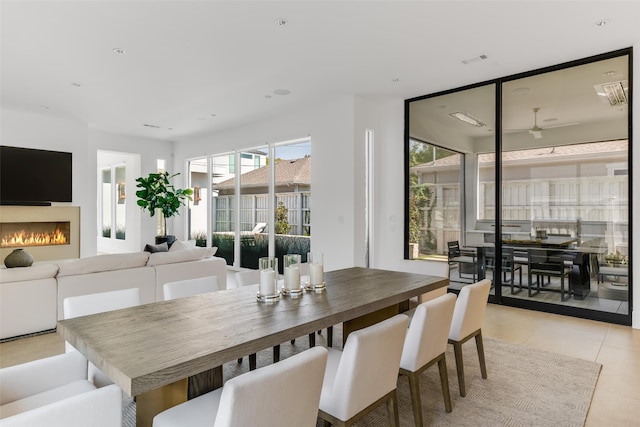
(151, 351)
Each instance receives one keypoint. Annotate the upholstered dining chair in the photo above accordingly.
(190, 287)
(425, 345)
(84, 305)
(285, 394)
(55, 392)
(467, 324)
(365, 374)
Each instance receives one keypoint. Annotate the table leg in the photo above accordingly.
(367, 320)
(151, 403)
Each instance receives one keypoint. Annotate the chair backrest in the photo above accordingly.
(190, 287)
(84, 305)
(428, 332)
(454, 248)
(247, 277)
(469, 310)
(368, 368)
(286, 393)
(542, 260)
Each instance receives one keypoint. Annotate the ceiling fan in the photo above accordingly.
(536, 130)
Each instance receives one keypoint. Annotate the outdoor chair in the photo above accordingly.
(547, 263)
(466, 260)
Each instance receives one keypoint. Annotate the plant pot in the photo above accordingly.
(168, 238)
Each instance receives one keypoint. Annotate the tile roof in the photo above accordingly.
(293, 172)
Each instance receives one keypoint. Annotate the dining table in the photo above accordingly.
(166, 352)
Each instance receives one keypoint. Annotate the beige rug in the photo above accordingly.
(525, 387)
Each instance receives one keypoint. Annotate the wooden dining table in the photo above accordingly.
(151, 351)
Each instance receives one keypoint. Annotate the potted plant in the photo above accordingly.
(157, 193)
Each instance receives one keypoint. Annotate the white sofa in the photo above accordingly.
(31, 297)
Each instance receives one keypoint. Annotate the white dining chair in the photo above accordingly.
(56, 392)
(425, 345)
(84, 305)
(285, 394)
(365, 374)
(190, 287)
(467, 324)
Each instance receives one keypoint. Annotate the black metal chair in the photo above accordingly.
(547, 263)
(508, 265)
(466, 260)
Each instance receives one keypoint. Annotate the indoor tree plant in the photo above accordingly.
(157, 193)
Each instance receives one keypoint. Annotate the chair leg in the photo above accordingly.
(252, 361)
(480, 348)
(276, 353)
(392, 408)
(457, 351)
(414, 388)
(444, 381)
(240, 360)
(312, 339)
(330, 336)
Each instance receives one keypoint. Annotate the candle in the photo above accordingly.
(316, 273)
(292, 278)
(267, 282)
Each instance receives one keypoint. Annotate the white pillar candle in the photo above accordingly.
(292, 278)
(267, 282)
(317, 274)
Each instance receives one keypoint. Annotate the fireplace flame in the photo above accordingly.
(23, 238)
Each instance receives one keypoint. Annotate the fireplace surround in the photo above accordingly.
(46, 232)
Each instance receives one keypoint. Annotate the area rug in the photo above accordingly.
(525, 387)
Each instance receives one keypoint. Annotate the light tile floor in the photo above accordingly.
(616, 401)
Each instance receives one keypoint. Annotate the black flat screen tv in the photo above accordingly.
(34, 177)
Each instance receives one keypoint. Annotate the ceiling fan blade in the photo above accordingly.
(537, 134)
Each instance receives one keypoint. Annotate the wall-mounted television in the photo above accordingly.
(34, 177)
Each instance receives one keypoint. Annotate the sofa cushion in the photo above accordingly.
(192, 254)
(181, 245)
(46, 397)
(100, 263)
(21, 274)
(160, 247)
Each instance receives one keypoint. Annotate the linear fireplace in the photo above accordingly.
(46, 232)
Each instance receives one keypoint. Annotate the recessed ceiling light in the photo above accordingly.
(119, 51)
(281, 22)
(267, 96)
(282, 92)
(75, 84)
(44, 107)
(609, 73)
(601, 23)
(213, 115)
(396, 80)
(519, 91)
(474, 59)
(151, 126)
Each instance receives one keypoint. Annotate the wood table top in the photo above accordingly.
(149, 346)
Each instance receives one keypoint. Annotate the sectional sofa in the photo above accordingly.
(31, 297)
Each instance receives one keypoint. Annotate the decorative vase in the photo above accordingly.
(18, 258)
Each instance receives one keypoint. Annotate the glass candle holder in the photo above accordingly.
(316, 270)
(292, 275)
(268, 289)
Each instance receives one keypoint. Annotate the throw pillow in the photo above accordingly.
(162, 247)
(181, 245)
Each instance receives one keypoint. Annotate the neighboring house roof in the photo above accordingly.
(288, 172)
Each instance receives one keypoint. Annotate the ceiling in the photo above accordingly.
(196, 67)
